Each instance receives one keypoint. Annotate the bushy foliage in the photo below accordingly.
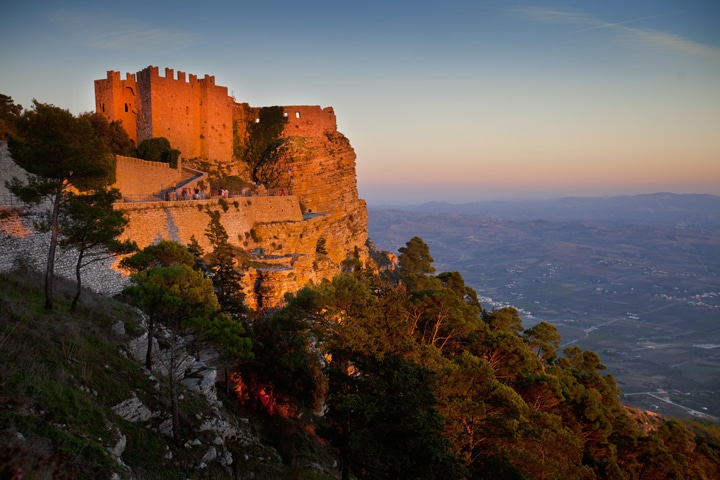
(418, 381)
(9, 113)
(261, 135)
(320, 246)
(158, 149)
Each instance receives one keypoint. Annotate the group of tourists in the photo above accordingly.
(199, 194)
(186, 194)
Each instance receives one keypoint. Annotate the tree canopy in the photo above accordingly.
(418, 381)
(113, 134)
(221, 264)
(183, 300)
(91, 225)
(9, 113)
(60, 152)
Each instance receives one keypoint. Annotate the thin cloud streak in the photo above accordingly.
(638, 36)
(619, 24)
(107, 32)
(669, 41)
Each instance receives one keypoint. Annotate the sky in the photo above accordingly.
(442, 100)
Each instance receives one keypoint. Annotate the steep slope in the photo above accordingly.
(75, 401)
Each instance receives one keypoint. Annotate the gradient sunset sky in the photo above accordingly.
(442, 100)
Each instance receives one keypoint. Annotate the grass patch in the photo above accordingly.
(60, 374)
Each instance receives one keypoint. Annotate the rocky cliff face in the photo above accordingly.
(320, 172)
(293, 239)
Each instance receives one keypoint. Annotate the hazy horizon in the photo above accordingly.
(411, 195)
(442, 101)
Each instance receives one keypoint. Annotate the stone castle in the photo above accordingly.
(298, 227)
(195, 115)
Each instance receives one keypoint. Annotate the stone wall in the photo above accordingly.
(284, 241)
(21, 246)
(309, 121)
(302, 120)
(8, 170)
(178, 221)
(134, 176)
(118, 99)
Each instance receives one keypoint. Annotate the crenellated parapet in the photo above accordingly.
(194, 114)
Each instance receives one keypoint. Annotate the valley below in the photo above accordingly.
(636, 279)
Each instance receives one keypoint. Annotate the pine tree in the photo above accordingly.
(60, 152)
(226, 278)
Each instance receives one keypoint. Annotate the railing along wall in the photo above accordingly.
(8, 200)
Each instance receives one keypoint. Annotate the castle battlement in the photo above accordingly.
(153, 72)
(194, 114)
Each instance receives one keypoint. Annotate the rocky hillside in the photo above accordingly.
(76, 402)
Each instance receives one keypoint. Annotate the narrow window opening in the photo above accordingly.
(297, 114)
(126, 107)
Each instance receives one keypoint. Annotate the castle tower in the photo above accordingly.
(117, 100)
(195, 115)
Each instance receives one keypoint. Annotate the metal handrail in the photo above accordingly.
(10, 200)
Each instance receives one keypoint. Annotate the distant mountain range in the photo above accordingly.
(654, 209)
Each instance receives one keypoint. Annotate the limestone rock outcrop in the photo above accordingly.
(321, 173)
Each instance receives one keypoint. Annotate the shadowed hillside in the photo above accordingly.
(401, 375)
